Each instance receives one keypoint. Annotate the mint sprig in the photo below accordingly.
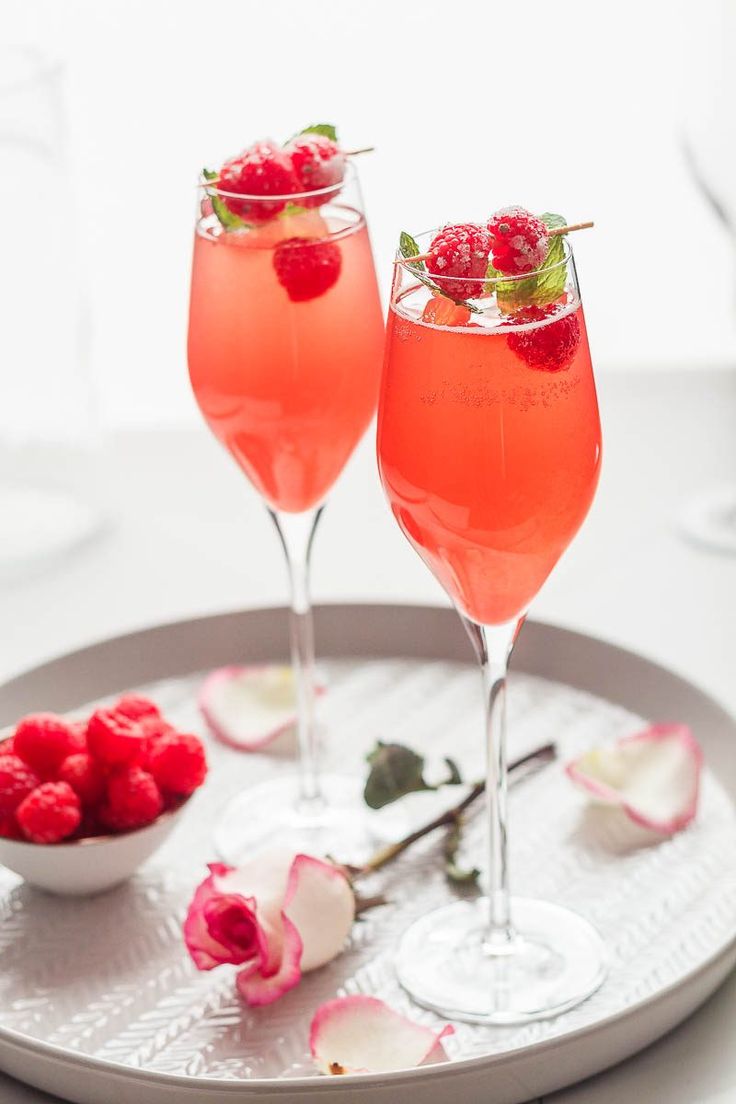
(408, 248)
(328, 130)
(545, 286)
(227, 218)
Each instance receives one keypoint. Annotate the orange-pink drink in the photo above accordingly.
(285, 347)
(489, 447)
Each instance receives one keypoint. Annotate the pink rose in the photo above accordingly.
(278, 916)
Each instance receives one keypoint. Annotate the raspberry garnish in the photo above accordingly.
(85, 777)
(113, 738)
(307, 268)
(42, 740)
(133, 800)
(460, 250)
(443, 312)
(519, 241)
(178, 763)
(135, 707)
(550, 347)
(318, 163)
(17, 780)
(261, 170)
(50, 813)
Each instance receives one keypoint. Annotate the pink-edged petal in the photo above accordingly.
(256, 988)
(652, 776)
(361, 1034)
(248, 707)
(206, 952)
(265, 878)
(320, 902)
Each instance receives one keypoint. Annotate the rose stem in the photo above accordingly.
(542, 754)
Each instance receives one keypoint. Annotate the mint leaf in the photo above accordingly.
(291, 210)
(329, 130)
(544, 286)
(227, 218)
(408, 248)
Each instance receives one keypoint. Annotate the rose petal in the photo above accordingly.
(248, 707)
(206, 951)
(257, 988)
(361, 1034)
(264, 878)
(653, 776)
(321, 902)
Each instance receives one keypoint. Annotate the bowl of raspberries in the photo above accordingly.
(84, 803)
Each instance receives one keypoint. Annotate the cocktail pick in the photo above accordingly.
(555, 232)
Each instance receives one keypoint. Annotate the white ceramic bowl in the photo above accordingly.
(86, 866)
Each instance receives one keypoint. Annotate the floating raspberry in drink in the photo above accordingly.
(318, 163)
(133, 800)
(261, 170)
(17, 780)
(519, 241)
(307, 268)
(50, 813)
(460, 251)
(550, 347)
(439, 311)
(42, 740)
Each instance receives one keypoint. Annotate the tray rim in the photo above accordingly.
(544, 635)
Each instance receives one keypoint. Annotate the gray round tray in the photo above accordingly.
(98, 1000)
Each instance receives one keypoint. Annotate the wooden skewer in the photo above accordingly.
(348, 153)
(554, 233)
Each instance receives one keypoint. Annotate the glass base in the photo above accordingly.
(556, 960)
(271, 814)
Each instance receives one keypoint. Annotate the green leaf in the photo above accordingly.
(395, 771)
(329, 130)
(545, 286)
(455, 778)
(408, 249)
(291, 210)
(458, 875)
(227, 218)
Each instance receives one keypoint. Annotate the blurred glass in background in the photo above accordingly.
(49, 435)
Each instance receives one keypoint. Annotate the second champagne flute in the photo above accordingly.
(285, 349)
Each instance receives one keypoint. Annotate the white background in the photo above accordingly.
(579, 107)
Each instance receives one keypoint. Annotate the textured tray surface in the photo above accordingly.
(108, 977)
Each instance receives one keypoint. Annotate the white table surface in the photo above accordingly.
(188, 536)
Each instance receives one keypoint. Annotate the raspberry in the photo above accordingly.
(519, 241)
(154, 728)
(42, 740)
(550, 347)
(306, 268)
(133, 800)
(16, 782)
(318, 163)
(113, 738)
(443, 312)
(135, 707)
(9, 827)
(261, 170)
(85, 777)
(178, 763)
(460, 251)
(50, 813)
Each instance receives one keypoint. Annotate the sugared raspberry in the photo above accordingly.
(519, 241)
(84, 775)
(261, 170)
(133, 800)
(549, 347)
(42, 740)
(443, 312)
(178, 763)
(50, 813)
(113, 738)
(135, 707)
(17, 780)
(307, 268)
(9, 827)
(460, 251)
(318, 163)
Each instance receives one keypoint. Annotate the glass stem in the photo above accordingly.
(296, 532)
(493, 645)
